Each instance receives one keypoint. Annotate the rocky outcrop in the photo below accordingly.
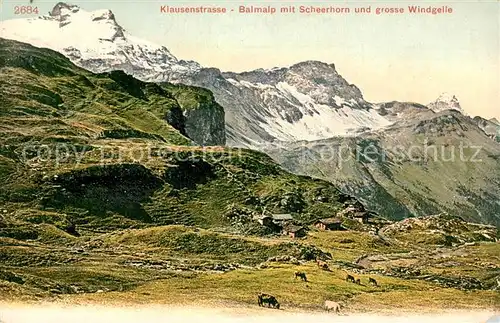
(448, 228)
(190, 110)
(490, 127)
(202, 118)
(205, 125)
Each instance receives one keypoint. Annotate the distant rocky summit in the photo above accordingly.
(446, 101)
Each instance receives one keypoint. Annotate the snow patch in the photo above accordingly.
(319, 121)
(92, 36)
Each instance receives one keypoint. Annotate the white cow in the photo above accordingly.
(331, 305)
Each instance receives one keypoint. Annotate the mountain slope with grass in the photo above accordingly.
(92, 163)
(430, 164)
(293, 113)
(40, 85)
(108, 150)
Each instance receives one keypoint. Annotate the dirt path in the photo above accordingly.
(15, 313)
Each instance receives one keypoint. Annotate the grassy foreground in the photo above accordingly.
(241, 287)
(178, 265)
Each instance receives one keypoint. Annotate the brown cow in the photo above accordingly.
(270, 300)
(372, 281)
(301, 275)
(350, 278)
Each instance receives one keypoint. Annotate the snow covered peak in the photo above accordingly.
(66, 12)
(314, 65)
(446, 101)
(94, 40)
(447, 97)
(306, 101)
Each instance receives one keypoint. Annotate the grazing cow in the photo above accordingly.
(321, 264)
(372, 281)
(301, 275)
(332, 306)
(350, 278)
(269, 300)
(259, 300)
(358, 281)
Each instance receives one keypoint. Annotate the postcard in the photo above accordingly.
(254, 160)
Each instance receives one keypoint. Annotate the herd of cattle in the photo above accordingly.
(271, 301)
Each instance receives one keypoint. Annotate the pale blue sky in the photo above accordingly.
(408, 57)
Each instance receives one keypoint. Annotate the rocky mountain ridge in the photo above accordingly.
(286, 111)
(446, 101)
(438, 162)
(307, 101)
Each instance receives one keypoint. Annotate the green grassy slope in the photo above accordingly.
(99, 150)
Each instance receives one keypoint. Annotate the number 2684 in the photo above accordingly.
(25, 10)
